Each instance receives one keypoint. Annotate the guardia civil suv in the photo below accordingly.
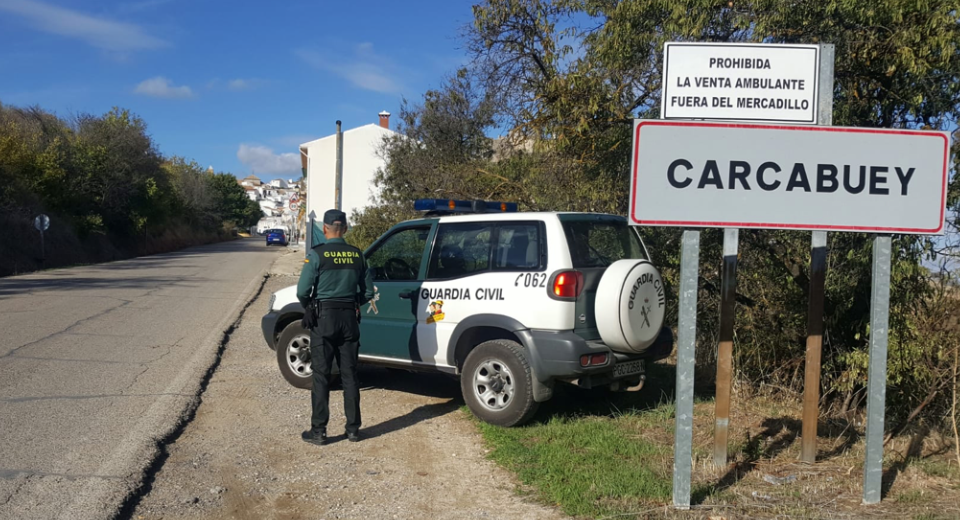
(510, 302)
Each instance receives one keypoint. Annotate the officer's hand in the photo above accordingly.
(309, 320)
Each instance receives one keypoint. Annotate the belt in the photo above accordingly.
(333, 304)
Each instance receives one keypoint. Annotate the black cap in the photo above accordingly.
(334, 215)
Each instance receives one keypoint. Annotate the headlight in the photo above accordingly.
(273, 298)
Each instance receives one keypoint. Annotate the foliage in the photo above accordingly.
(102, 176)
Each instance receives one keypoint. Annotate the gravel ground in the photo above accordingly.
(242, 457)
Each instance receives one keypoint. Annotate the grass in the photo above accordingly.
(586, 466)
(602, 455)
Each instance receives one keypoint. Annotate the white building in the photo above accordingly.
(279, 183)
(360, 164)
(251, 180)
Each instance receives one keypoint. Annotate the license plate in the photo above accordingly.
(628, 369)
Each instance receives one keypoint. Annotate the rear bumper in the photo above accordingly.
(556, 355)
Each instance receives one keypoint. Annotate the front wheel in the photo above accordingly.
(497, 383)
(293, 357)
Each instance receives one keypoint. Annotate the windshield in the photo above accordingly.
(598, 242)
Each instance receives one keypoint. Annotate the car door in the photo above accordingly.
(388, 326)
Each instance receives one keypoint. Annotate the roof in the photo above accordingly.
(371, 126)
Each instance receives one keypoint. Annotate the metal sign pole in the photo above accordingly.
(728, 293)
(818, 268)
(877, 370)
(686, 354)
(43, 253)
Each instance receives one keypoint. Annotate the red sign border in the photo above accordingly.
(803, 227)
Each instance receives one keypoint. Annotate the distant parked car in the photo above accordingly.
(276, 236)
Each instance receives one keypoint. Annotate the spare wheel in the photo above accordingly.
(630, 305)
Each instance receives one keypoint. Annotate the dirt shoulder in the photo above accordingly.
(242, 457)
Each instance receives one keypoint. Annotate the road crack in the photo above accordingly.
(69, 328)
(133, 500)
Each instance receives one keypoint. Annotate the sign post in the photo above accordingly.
(686, 356)
(877, 369)
(818, 274)
(728, 299)
(42, 223)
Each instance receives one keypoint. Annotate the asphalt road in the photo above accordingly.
(99, 363)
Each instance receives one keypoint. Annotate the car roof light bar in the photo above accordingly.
(463, 206)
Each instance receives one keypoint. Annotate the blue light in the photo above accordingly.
(464, 206)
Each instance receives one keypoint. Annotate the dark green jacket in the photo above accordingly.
(337, 271)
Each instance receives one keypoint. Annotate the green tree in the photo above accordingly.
(230, 203)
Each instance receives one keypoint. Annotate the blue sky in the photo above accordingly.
(236, 85)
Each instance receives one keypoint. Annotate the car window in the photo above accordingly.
(600, 243)
(518, 247)
(460, 250)
(398, 256)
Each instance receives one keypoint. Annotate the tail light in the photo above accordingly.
(567, 284)
(588, 360)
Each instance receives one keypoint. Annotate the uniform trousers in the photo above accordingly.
(336, 337)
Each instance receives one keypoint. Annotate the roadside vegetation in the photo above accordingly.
(108, 191)
(561, 81)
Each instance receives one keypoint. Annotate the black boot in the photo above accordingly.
(353, 436)
(318, 437)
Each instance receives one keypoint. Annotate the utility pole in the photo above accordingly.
(339, 186)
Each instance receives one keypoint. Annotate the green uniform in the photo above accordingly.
(335, 276)
(335, 270)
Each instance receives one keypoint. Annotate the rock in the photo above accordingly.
(217, 490)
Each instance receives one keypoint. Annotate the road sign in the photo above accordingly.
(698, 174)
(740, 82)
(294, 206)
(41, 222)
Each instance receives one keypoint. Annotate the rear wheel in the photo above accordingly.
(497, 383)
(294, 360)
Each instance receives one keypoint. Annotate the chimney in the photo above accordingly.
(385, 119)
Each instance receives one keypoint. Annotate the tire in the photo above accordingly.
(293, 357)
(499, 363)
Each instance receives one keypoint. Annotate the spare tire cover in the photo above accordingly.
(630, 305)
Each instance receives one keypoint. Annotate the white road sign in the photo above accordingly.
(41, 222)
(698, 174)
(740, 82)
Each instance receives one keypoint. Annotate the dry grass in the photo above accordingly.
(921, 480)
(764, 479)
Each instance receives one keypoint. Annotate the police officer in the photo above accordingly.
(335, 282)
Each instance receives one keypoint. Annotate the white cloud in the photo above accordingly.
(105, 34)
(237, 84)
(365, 69)
(261, 159)
(245, 84)
(162, 88)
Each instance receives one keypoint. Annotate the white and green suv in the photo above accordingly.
(508, 302)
